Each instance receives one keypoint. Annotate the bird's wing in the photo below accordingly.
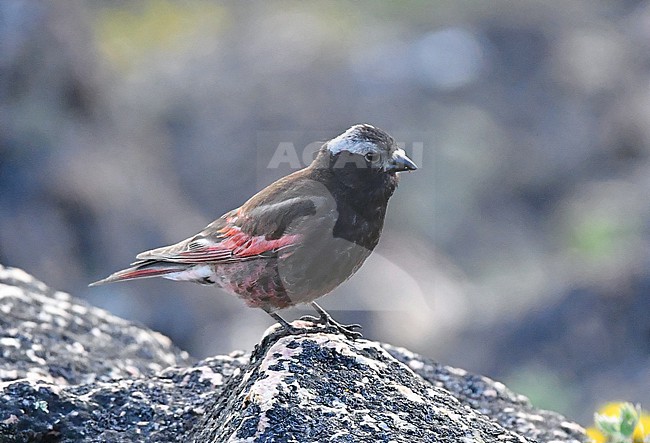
(243, 233)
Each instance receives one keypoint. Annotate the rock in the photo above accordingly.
(49, 337)
(74, 373)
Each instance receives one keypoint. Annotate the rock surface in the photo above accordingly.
(73, 373)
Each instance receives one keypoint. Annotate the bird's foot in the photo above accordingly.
(348, 330)
(287, 327)
(329, 323)
(323, 326)
(324, 322)
(311, 319)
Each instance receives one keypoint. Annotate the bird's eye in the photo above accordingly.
(372, 157)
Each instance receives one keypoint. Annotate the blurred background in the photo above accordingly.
(519, 250)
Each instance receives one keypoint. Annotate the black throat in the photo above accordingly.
(361, 194)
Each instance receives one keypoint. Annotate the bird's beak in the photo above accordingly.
(400, 162)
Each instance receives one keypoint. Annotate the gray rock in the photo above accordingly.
(74, 373)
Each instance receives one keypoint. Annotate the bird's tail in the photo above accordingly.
(143, 269)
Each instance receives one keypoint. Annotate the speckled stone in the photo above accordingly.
(47, 336)
(74, 373)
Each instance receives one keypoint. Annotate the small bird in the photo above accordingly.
(297, 239)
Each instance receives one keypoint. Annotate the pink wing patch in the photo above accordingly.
(235, 246)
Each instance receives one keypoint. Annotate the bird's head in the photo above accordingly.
(368, 148)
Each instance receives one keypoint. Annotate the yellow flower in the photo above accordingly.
(642, 430)
(613, 410)
(595, 435)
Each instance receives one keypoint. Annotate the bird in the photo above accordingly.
(297, 239)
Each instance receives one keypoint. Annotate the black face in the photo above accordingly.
(366, 147)
(359, 169)
(363, 146)
(348, 160)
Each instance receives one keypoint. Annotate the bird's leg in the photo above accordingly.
(285, 324)
(327, 320)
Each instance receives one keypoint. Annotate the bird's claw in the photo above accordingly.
(311, 319)
(348, 330)
(329, 323)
